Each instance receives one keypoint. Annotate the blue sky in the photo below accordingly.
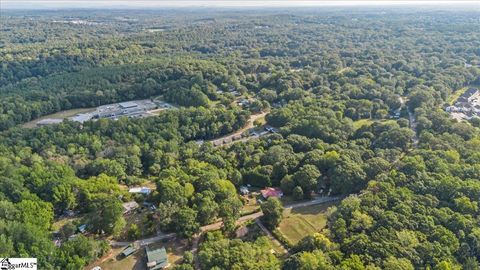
(218, 3)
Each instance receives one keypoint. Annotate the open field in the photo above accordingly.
(362, 122)
(366, 122)
(59, 115)
(300, 222)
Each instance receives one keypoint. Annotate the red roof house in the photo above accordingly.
(272, 192)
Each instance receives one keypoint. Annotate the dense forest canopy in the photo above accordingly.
(331, 82)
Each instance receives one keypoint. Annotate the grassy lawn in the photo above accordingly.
(455, 95)
(362, 122)
(135, 261)
(260, 121)
(59, 115)
(250, 205)
(300, 222)
(367, 122)
(58, 224)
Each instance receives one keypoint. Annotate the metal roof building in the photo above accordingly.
(129, 250)
(157, 258)
(83, 117)
(143, 190)
(128, 104)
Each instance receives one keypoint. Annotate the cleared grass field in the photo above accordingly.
(362, 122)
(367, 122)
(300, 222)
(455, 95)
(58, 115)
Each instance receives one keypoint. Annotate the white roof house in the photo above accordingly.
(142, 190)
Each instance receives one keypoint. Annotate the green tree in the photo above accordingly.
(307, 178)
(185, 222)
(272, 212)
(298, 193)
(106, 215)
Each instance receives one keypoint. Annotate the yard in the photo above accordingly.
(137, 261)
(139, 217)
(113, 261)
(58, 224)
(300, 222)
(250, 204)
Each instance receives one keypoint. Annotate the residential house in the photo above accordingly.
(141, 190)
(244, 190)
(156, 258)
(271, 192)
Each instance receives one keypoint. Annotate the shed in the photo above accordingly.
(82, 228)
(129, 250)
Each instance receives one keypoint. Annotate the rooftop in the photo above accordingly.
(143, 190)
(83, 117)
(156, 258)
(272, 192)
(129, 250)
(129, 206)
(127, 104)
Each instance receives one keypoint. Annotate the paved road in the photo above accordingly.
(144, 242)
(318, 200)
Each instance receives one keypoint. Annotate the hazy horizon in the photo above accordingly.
(68, 4)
